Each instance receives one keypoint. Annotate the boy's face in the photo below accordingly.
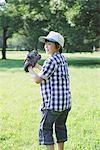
(50, 48)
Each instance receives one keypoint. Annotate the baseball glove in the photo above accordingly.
(31, 60)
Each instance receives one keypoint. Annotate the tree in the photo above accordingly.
(77, 20)
(35, 22)
(10, 22)
(87, 24)
(81, 27)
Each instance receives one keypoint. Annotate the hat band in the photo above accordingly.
(50, 40)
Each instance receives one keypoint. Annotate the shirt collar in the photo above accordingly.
(56, 53)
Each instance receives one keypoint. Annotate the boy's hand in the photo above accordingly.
(30, 68)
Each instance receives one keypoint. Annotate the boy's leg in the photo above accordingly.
(61, 129)
(61, 146)
(50, 147)
(46, 129)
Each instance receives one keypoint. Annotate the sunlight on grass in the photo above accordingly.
(20, 100)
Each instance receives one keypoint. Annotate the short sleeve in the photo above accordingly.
(48, 69)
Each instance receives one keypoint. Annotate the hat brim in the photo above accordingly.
(43, 38)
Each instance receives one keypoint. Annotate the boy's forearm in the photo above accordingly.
(38, 66)
(34, 75)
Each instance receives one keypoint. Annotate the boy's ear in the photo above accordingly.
(59, 47)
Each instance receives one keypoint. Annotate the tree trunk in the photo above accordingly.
(4, 43)
(98, 26)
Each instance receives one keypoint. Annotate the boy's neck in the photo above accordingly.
(54, 53)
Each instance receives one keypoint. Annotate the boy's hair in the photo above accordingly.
(56, 44)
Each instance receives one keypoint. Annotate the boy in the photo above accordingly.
(55, 90)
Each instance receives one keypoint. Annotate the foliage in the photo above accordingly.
(76, 20)
(11, 18)
(87, 24)
(10, 21)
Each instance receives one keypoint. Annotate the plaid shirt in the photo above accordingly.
(55, 88)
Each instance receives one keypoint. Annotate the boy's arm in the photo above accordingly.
(38, 66)
(34, 75)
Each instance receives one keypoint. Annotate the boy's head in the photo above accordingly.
(53, 37)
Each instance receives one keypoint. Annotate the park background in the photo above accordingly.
(21, 23)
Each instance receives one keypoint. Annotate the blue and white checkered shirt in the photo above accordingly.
(55, 89)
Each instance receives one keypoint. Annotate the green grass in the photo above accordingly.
(20, 100)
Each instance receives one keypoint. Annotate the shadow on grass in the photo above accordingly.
(11, 63)
(84, 62)
(77, 62)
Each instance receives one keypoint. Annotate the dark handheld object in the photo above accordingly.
(31, 60)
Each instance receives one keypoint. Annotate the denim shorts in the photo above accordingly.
(49, 120)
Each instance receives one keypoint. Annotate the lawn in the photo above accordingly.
(20, 100)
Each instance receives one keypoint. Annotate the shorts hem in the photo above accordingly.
(63, 140)
(46, 143)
